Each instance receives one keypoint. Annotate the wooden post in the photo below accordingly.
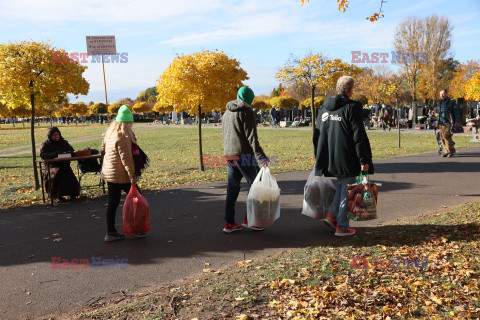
(105, 84)
(312, 107)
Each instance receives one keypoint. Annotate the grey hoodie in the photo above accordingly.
(240, 130)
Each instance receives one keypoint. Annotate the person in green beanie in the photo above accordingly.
(118, 167)
(240, 142)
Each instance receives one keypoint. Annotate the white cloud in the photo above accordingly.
(253, 26)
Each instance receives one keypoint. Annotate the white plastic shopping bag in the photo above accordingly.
(318, 196)
(263, 201)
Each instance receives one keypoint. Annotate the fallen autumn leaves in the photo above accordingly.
(448, 288)
(429, 270)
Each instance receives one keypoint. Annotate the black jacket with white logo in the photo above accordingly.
(340, 142)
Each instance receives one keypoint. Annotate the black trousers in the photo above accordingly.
(114, 195)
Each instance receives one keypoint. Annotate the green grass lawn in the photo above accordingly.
(173, 153)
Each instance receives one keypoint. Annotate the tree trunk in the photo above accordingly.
(51, 123)
(200, 153)
(312, 107)
(32, 136)
(414, 88)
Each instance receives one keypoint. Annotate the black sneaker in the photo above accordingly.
(449, 155)
(110, 237)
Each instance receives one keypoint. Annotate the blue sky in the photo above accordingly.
(261, 34)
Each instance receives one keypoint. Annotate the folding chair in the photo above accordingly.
(90, 166)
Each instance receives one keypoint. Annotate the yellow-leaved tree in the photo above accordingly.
(142, 107)
(54, 108)
(81, 109)
(28, 73)
(261, 105)
(472, 88)
(317, 71)
(98, 108)
(261, 102)
(113, 108)
(464, 72)
(5, 111)
(200, 82)
(284, 102)
(76, 109)
(318, 102)
(161, 107)
(19, 111)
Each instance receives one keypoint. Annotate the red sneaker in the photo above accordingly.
(342, 233)
(229, 228)
(330, 221)
(245, 224)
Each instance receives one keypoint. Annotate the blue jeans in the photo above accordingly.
(340, 202)
(235, 172)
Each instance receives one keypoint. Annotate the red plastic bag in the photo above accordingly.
(136, 213)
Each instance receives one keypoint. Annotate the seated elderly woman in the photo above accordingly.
(64, 182)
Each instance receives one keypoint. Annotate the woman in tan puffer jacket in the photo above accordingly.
(118, 168)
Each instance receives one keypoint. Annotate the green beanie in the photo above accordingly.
(124, 114)
(246, 94)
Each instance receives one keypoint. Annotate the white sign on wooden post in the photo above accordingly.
(101, 45)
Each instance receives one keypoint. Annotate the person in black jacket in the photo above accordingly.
(342, 149)
(62, 179)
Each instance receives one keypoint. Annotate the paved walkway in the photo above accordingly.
(187, 232)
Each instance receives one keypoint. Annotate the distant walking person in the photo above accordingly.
(118, 167)
(273, 114)
(278, 116)
(342, 149)
(448, 114)
(240, 143)
(387, 121)
(366, 117)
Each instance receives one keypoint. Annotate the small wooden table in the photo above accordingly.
(47, 163)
